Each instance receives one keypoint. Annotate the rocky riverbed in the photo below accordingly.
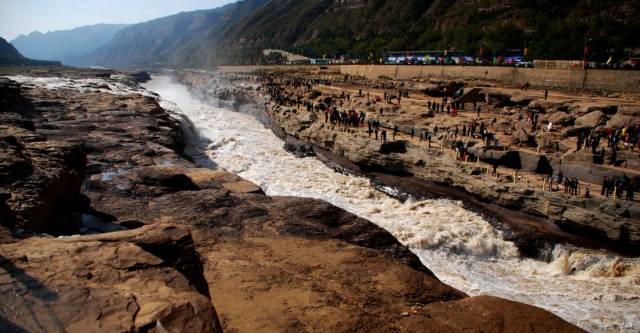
(148, 240)
(463, 249)
(597, 221)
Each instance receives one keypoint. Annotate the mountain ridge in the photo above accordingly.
(9, 56)
(66, 45)
(364, 29)
(166, 41)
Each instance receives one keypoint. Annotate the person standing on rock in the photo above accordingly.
(614, 157)
(395, 131)
(550, 180)
(384, 135)
(546, 94)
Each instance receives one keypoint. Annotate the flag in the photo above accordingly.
(526, 51)
(610, 60)
(586, 50)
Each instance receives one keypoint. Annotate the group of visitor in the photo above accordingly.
(334, 113)
(620, 187)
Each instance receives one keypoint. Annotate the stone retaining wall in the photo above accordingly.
(592, 79)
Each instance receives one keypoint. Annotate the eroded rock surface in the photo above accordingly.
(148, 279)
(277, 264)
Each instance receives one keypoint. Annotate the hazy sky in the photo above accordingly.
(24, 16)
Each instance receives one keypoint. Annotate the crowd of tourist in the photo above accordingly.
(336, 114)
(620, 187)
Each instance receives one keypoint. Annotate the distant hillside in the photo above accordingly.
(166, 41)
(66, 45)
(9, 56)
(237, 33)
(549, 28)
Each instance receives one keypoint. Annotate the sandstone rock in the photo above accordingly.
(487, 312)
(41, 178)
(522, 99)
(521, 137)
(591, 119)
(620, 120)
(242, 187)
(42, 164)
(627, 110)
(546, 140)
(543, 105)
(561, 118)
(145, 279)
(281, 250)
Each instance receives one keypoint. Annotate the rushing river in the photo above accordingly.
(461, 248)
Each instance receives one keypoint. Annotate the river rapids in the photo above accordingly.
(595, 290)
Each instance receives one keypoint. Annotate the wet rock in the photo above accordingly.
(298, 148)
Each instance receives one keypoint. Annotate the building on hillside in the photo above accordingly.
(426, 58)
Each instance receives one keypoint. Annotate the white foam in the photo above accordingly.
(81, 85)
